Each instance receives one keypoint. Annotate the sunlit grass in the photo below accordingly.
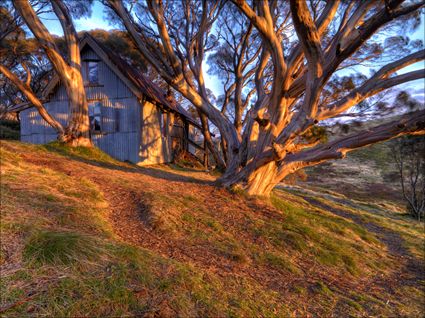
(66, 258)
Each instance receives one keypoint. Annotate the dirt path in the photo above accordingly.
(411, 273)
(127, 191)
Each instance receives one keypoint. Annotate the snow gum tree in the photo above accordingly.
(283, 66)
(68, 67)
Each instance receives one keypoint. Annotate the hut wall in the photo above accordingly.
(155, 146)
(120, 114)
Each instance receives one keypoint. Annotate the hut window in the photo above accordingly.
(93, 72)
(95, 110)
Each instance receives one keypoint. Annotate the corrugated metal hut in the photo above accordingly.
(131, 118)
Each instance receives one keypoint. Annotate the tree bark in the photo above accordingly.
(77, 132)
(261, 180)
(29, 94)
(209, 143)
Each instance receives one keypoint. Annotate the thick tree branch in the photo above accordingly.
(33, 99)
(265, 25)
(296, 56)
(259, 22)
(157, 11)
(42, 34)
(119, 9)
(69, 31)
(308, 35)
(378, 82)
(409, 124)
(334, 58)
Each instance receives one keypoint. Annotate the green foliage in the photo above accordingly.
(87, 153)
(12, 124)
(120, 43)
(9, 129)
(408, 156)
(315, 133)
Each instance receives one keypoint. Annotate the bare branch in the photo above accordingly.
(375, 84)
(30, 95)
(308, 35)
(411, 124)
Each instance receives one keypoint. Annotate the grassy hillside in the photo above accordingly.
(85, 235)
(368, 174)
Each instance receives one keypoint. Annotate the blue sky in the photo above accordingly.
(98, 21)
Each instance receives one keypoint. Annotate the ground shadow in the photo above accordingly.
(153, 171)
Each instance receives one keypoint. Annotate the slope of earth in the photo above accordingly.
(85, 235)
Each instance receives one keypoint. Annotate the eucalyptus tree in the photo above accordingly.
(305, 47)
(24, 64)
(408, 154)
(67, 67)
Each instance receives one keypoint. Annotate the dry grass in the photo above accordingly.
(85, 235)
(363, 175)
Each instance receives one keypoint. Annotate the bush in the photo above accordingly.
(9, 129)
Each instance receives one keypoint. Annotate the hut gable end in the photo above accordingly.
(109, 84)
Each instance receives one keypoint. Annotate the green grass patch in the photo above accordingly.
(61, 248)
(93, 154)
(279, 262)
(230, 249)
(329, 239)
(321, 288)
(247, 262)
(378, 153)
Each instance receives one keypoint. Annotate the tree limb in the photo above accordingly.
(410, 124)
(27, 91)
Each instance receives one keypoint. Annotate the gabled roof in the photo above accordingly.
(136, 81)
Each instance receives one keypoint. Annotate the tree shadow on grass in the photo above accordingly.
(88, 157)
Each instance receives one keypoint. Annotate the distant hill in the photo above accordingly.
(368, 173)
